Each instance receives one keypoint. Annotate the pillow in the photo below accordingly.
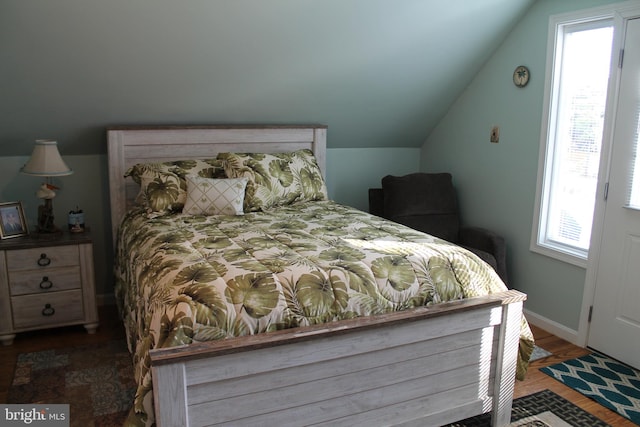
(208, 196)
(161, 192)
(161, 198)
(276, 179)
(208, 168)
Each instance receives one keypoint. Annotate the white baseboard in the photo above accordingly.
(555, 328)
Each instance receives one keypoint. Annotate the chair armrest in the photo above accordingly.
(488, 241)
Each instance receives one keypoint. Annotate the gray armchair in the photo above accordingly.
(427, 202)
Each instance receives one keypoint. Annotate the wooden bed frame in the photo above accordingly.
(426, 366)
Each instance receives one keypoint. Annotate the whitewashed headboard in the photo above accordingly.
(128, 145)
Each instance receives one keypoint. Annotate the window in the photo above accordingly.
(577, 82)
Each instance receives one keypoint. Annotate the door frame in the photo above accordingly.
(621, 16)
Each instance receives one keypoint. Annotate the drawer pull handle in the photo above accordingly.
(48, 310)
(43, 261)
(46, 283)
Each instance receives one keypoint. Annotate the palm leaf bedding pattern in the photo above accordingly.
(182, 279)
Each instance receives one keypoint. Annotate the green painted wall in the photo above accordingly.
(350, 173)
(497, 182)
(378, 73)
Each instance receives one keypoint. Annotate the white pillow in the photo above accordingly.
(209, 196)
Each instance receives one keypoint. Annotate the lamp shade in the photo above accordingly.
(46, 161)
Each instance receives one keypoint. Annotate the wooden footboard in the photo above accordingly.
(426, 366)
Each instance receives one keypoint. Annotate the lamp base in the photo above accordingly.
(45, 218)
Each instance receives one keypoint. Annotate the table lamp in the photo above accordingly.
(46, 161)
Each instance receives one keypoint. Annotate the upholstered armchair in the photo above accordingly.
(427, 202)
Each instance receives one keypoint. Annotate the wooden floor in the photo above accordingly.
(111, 328)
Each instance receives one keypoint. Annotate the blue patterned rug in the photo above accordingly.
(539, 353)
(608, 382)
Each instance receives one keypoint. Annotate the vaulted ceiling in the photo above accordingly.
(379, 73)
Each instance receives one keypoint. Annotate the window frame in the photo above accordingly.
(558, 26)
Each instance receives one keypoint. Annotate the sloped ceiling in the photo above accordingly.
(379, 73)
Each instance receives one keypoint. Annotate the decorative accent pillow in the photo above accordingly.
(162, 198)
(208, 196)
(276, 179)
(161, 192)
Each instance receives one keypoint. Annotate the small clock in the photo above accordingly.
(521, 76)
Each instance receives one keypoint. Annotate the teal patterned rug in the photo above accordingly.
(608, 382)
(538, 353)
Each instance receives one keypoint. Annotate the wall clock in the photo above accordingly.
(521, 76)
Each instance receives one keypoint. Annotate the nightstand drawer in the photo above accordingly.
(43, 258)
(49, 280)
(46, 310)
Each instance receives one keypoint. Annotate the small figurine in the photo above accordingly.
(46, 191)
(76, 220)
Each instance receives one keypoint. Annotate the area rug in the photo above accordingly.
(542, 409)
(538, 353)
(95, 380)
(608, 382)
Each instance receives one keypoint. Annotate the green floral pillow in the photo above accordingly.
(276, 179)
(163, 186)
(161, 192)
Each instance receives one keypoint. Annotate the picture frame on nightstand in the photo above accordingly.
(12, 220)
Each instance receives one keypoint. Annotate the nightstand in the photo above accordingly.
(46, 281)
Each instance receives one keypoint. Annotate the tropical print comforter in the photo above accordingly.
(184, 278)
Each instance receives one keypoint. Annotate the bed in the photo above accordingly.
(278, 306)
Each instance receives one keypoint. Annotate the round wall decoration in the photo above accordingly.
(521, 76)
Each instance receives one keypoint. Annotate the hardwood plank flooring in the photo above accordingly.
(111, 328)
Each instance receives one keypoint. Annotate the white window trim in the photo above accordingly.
(561, 252)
